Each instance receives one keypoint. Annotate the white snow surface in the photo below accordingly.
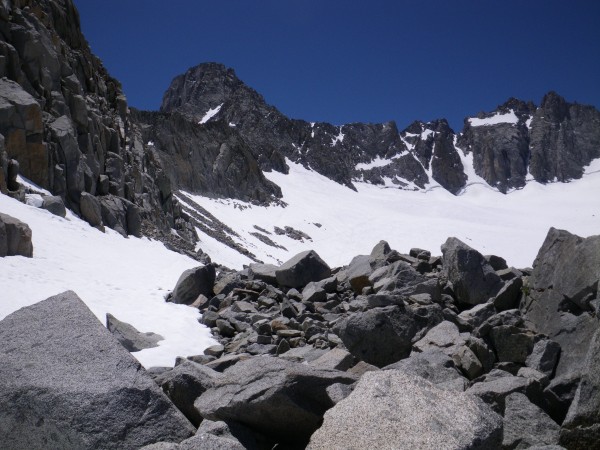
(512, 226)
(125, 277)
(211, 113)
(378, 161)
(497, 118)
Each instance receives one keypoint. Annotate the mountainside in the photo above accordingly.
(552, 142)
(65, 125)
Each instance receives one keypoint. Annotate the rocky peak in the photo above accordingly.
(206, 87)
(519, 107)
(554, 107)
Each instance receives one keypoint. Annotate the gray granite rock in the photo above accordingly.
(132, 339)
(279, 398)
(66, 382)
(391, 409)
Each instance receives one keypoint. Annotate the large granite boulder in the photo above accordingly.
(66, 382)
(303, 268)
(473, 279)
(15, 237)
(391, 409)
(560, 292)
(185, 383)
(383, 336)
(279, 398)
(192, 283)
(581, 427)
(526, 425)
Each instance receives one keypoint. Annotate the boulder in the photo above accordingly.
(91, 210)
(358, 273)
(380, 336)
(473, 279)
(15, 237)
(279, 398)
(192, 283)
(581, 427)
(302, 269)
(184, 384)
(55, 205)
(66, 382)
(264, 272)
(435, 366)
(132, 339)
(494, 390)
(544, 356)
(391, 409)
(509, 295)
(564, 281)
(526, 425)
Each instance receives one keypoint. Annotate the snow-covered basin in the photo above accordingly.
(512, 226)
(125, 277)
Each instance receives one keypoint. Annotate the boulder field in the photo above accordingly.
(395, 350)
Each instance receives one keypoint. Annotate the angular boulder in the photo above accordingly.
(192, 283)
(581, 427)
(563, 283)
(66, 382)
(358, 272)
(382, 336)
(129, 337)
(279, 398)
(526, 425)
(472, 277)
(15, 237)
(184, 384)
(302, 269)
(55, 205)
(391, 409)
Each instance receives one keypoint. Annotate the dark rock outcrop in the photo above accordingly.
(66, 382)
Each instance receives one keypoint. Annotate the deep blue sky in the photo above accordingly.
(348, 61)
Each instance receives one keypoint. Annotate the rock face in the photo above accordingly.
(390, 409)
(65, 122)
(67, 383)
(15, 237)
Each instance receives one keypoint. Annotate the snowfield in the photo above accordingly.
(130, 277)
(125, 277)
(512, 226)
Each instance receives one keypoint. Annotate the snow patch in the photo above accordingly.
(509, 117)
(339, 138)
(210, 114)
(377, 162)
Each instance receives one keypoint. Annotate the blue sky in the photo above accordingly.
(357, 61)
